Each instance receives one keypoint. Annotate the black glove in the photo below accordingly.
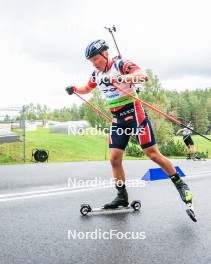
(70, 89)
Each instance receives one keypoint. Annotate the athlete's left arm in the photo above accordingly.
(131, 72)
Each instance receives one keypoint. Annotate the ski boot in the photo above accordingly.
(184, 191)
(185, 194)
(120, 200)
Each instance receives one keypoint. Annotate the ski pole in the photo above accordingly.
(94, 107)
(160, 112)
(113, 29)
(97, 110)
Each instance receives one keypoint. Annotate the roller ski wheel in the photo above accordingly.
(191, 213)
(136, 205)
(85, 209)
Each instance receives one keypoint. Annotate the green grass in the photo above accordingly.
(64, 148)
(67, 148)
(61, 147)
(10, 153)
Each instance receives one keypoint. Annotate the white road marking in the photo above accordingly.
(45, 193)
(62, 191)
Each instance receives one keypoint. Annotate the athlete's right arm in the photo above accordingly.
(83, 89)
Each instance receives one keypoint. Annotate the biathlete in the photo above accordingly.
(128, 114)
(191, 149)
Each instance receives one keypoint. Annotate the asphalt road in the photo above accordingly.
(40, 217)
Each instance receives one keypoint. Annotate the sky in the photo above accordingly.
(42, 44)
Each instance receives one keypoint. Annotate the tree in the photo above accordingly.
(42, 112)
(94, 118)
(74, 111)
(30, 111)
(154, 94)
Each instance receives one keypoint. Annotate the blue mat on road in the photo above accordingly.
(158, 174)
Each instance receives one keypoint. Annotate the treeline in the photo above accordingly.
(188, 105)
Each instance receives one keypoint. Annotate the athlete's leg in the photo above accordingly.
(147, 142)
(116, 156)
(154, 154)
(187, 140)
(117, 144)
(192, 149)
(188, 152)
(118, 141)
(194, 152)
(121, 199)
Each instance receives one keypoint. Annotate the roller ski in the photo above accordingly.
(190, 211)
(193, 157)
(186, 196)
(119, 203)
(196, 157)
(134, 206)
